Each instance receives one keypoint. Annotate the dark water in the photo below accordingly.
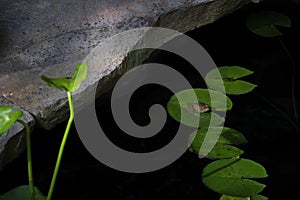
(273, 141)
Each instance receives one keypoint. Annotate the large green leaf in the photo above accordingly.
(79, 75)
(264, 23)
(258, 197)
(180, 110)
(230, 72)
(22, 193)
(220, 137)
(68, 84)
(225, 197)
(59, 83)
(225, 135)
(223, 151)
(230, 177)
(8, 116)
(239, 87)
(229, 80)
(252, 197)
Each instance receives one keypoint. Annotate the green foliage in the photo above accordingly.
(222, 148)
(179, 107)
(258, 197)
(8, 117)
(252, 197)
(68, 84)
(225, 197)
(222, 151)
(264, 23)
(213, 99)
(22, 193)
(230, 76)
(230, 174)
(230, 177)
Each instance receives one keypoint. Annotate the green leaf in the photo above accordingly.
(229, 177)
(179, 107)
(253, 197)
(8, 117)
(22, 193)
(228, 79)
(79, 75)
(219, 137)
(68, 84)
(59, 83)
(225, 197)
(225, 135)
(258, 197)
(214, 99)
(239, 87)
(233, 72)
(221, 151)
(264, 23)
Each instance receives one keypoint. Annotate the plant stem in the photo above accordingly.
(29, 160)
(61, 149)
(293, 79)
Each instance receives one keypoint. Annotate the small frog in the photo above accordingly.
(198, 107)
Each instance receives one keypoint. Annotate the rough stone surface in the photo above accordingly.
(12, 142)
(52, 36)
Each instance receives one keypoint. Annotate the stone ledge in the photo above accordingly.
(52, 37)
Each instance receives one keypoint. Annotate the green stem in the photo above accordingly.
(293, 79)
(61, 149)
(29, 160)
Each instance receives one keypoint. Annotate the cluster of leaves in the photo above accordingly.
(8, 117)
(228, 174)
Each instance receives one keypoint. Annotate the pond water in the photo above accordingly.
(260, 115)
